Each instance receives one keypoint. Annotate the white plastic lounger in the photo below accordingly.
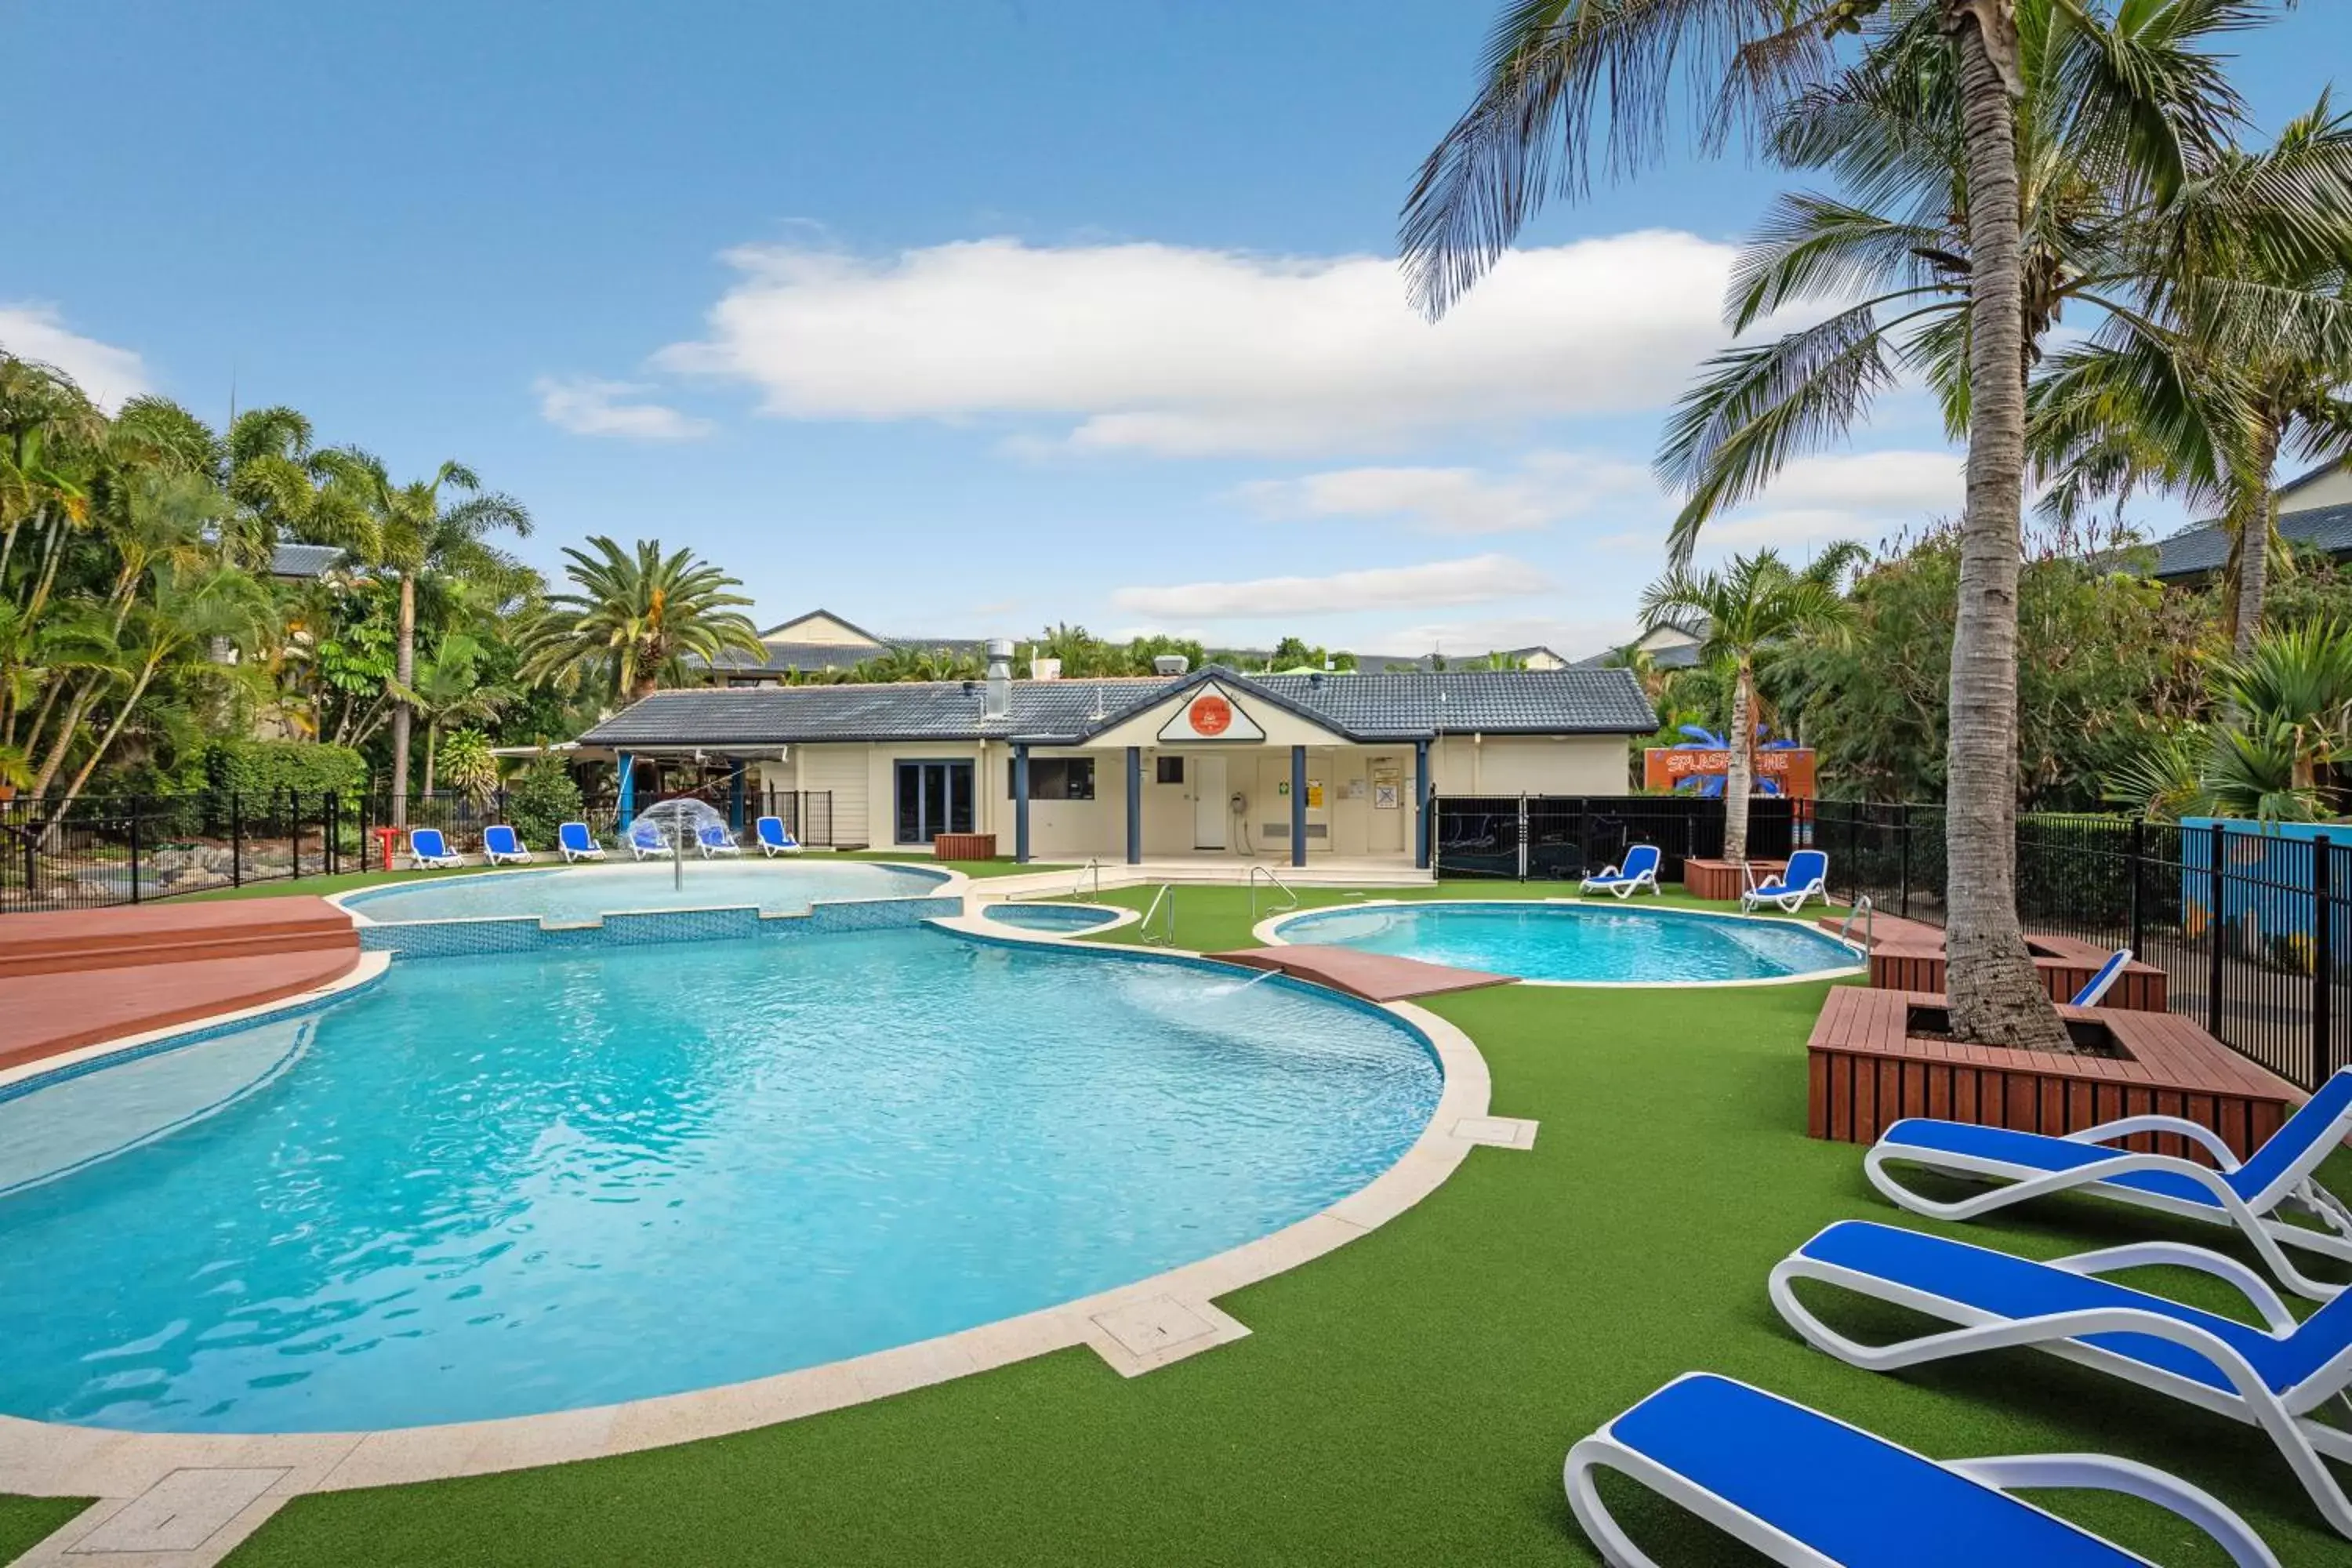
(713, 839)
(1810, 1491)
(2270, 1378)
(1808, 876)
(2095, 991)
(1639, 871)
(773, 839)
(2279, 1175)
(499, 844)
(577, 843)
(647, 838)
(427, 847)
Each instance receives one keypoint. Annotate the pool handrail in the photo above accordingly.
(1096, 868)
(1257, 870)
(1167, 937)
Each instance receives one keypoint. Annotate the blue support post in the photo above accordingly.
(628, 790)
(1021, 803)
(735, 798)
(1298, 806)
(1134, 805)
(1421, 805)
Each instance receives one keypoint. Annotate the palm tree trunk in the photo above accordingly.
(56, 760)
(405, 667)
(432, 737)
(1735, 781)
(106, 742)
(2258, 521)
(1996, 996)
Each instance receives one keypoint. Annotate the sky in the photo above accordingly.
(953, 319)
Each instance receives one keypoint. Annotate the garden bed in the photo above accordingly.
(1721, 880)
(1912, 959)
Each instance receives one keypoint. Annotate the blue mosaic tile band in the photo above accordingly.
(522, 933)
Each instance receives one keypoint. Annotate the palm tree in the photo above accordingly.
(2243, 359)
(1735, 614)
(410, 531)
(1561, 75)
(449, 692)
(2290, 704)
(636, 619)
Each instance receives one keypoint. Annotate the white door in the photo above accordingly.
(1209, 808)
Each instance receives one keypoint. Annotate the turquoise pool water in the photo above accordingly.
(1049, 917)
(1595, 942)
(565, 895)
(492, 1186)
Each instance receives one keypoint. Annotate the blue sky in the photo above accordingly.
(952, 318)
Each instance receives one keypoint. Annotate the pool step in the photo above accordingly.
(48, 1015)
(1373, 976)
(82, 940)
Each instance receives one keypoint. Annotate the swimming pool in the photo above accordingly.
(493, 1186)
(1049, 917)
(565, 895)
(1587, 944)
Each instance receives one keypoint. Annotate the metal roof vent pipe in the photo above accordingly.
(998, 704)
(1170, 664)
(1314, 682)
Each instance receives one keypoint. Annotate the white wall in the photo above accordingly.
(1530, 764)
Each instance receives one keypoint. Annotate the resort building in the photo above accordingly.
(1210, 763)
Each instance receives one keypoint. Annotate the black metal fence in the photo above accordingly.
(2252, 927)
(1545, 838)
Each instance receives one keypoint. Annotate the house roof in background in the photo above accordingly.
(2204, 548)
(1370, 707)
(305, 560)
(2314, 477)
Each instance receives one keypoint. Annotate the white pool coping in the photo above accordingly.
(353, 901)
(1267, 933)
(1136, 1328)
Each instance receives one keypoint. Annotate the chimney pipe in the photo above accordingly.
(1170, 664)
(998, 704)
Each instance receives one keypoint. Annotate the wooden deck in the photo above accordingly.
(74, 978)
(1721, 880)
(1373, 976)
(1867, 1072)
(1905, 955)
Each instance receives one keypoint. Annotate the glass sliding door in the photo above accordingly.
(932, 798)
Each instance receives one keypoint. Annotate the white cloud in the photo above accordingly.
(1861, 495)
(107, 373)
(1549, 487)
(1181, 351)
(587, 406)
(1473, 580)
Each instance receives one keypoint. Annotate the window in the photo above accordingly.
(932, 798)
(1172, 769)
(1053, 778)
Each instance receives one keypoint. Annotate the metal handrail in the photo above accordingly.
(1256, 871)
(1167, 937)
(1867, 912)
(1080, 885)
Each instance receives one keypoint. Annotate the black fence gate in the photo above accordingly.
(1556, 838)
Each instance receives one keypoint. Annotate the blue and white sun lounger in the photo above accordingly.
(713, 839)
(2279, 1175)
(577, 843)
(647, 838)
(499, 843)
(773, 839)
(2273, 1378)
(2095, 989)
(1639, 871)
(1808, 1491)
(1808, 876)
(427, 847)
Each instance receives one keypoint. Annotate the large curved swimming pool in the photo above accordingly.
(495, 1186)
(565, 895)
(1609, 943)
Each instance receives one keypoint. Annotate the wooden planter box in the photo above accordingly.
(964, 847)
(1911, 962)
(1868, 1071)
(1720, 879)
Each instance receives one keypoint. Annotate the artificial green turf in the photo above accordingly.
(1405, 1400)
(25, 1520)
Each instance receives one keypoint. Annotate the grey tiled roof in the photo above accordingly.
(2206, 547)
(304, 559)
(1366, 707)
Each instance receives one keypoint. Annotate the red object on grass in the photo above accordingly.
(387, 837)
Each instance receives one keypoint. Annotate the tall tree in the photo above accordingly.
(633, 619)
(1735, 615)
(1562, 75)
(411, 530)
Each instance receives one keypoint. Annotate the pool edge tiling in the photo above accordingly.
(1135, 1328)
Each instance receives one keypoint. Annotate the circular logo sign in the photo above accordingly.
(1210, 715)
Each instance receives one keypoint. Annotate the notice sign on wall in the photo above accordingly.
(1388, 784)
(1211, 714)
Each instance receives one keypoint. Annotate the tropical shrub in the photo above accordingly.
(467, 764)
(262, 767)
(541, 801)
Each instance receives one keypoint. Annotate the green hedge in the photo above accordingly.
(540, 801)
(263, 767)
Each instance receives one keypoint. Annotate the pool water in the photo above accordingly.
(567, 895)
(1615, 942)
(1049, 917)
(492, 1186)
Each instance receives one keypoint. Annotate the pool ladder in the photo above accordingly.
(1865, 911)
(1256, 871)
(1092, 868)
(1164, 898)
